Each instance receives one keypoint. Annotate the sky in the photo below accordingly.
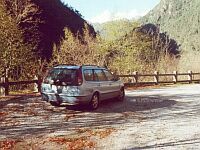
(99, 11)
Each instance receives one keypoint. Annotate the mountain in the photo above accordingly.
(180, 19)
(113, 30)
(43, 21)
(130, 30)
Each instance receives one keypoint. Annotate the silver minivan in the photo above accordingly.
(86, 84)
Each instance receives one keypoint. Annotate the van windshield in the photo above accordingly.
(62, 76)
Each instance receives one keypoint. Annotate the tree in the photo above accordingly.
(141, 49)
(77, 49)
(13, 51)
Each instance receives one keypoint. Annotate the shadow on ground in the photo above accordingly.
(37, 118)
(16, 99)
(135, 104)
(45, 119)
(169, 144)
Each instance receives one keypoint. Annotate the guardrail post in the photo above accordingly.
(135, 76)
(175, 77)
(6, 86)
(156, 77)
(37, 84)
(6, 82)
(190, 76)
(2, 88)
(35, 87)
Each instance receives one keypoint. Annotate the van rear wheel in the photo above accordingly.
(121, 95)
(55, 103)
(94, 103)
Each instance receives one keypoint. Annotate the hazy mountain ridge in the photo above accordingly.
(113, 30)
(126, 29)
(180, 19)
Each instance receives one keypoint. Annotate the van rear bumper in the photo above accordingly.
(61, 98)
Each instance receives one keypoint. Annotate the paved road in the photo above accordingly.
(162, 118)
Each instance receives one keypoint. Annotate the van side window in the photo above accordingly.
(100, 74)
(109, 76)
(88, 74)
(95, 76)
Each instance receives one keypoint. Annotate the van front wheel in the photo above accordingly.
(94, 103)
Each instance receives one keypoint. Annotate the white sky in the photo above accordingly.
(98, 11)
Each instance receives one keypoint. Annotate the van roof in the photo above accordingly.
(67, 67)
(71, 66)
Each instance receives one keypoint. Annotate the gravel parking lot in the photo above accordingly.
(159, 118)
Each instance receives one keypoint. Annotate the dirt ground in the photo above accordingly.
(158, 118)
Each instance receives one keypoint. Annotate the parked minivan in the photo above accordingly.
(86, 84)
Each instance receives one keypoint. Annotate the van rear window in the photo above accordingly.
(62, 76)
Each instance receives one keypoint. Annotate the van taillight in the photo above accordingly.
(80, 77)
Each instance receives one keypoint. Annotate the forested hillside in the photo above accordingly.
(43, 22)
(41, 34)
(32, 30)
(180, 19)
(135, 47)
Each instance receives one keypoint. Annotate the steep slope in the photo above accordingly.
(180, 19)
(43, 22)
(113, 30)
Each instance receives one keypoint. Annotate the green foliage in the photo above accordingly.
(15, 54)
(127, 49)
(120, 46)
(43, 21)
(30, 30)
(11, 51)
(77, 49)
(133, 51)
